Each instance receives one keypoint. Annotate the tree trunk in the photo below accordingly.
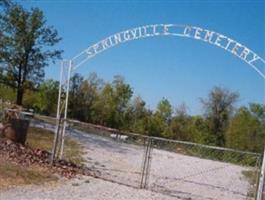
(20, 93)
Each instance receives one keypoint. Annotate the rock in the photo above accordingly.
(8, 142)
(26, 156)
(75, 184)
(9, 133)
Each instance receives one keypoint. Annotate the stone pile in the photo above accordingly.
(27, 156)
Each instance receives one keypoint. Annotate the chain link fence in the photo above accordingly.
(117, 157)
(194, 171)
(179, 169)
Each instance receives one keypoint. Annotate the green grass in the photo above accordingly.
(43, 139)
(13, 174)
(251, 176)
(27, 175)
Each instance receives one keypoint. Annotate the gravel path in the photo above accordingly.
(86, 188)
(173, 176)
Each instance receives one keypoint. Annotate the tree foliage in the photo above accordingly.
(25, 48)
(113, 104)
(246, 130)
(219, 108)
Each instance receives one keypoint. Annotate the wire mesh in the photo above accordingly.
(116, 157)
(179, 169)
(193, 171)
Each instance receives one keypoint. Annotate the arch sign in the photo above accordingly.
(185, 31)
(197, 33)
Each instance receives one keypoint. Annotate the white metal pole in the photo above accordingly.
(55, 140)
(261, 180)
(66, 108)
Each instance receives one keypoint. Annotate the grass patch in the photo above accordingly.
(251, 176)
(12, 174)
(43, 139)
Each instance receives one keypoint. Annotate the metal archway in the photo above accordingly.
(186, 31)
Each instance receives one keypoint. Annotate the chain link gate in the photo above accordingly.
(176, 168)
(193, 171)
(179, 169)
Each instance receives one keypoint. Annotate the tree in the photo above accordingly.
(113, 102)
(258, 110)
(47, 97)
(7, 93)
(157, 126)
(88, 95)
(218, 108)
(164, 109)
(122, 93)
(181, 110)
(180, 124)
(137, 116)
(158, 123)
(44, 99)
(75, 99)
(105, 107)
(24, 48)
(246, 131)
(199, 130)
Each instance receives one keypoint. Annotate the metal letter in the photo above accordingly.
(197, 34)
(155, 30)
(166, 26)
(208, 36)
(219, 39)
(134, 34)
(255, 57)
(228, 43)
(187, 31)
(117, 38)
(105, 44)
(145, 31)
(245, 53)
(235, 48)
(126, 35)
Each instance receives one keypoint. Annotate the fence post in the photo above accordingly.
(261, 180)
(146, 164)
(58, 116)
(148, 167)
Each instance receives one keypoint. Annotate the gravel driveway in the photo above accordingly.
(173, 176)
(86, 188)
